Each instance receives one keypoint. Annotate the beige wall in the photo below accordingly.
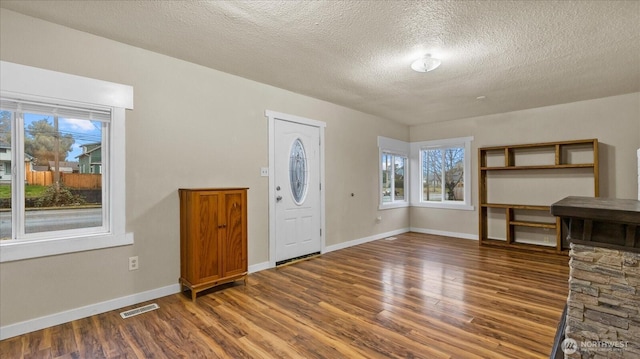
(614, 121)
(191, 127)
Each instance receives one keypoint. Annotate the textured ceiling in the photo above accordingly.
(518, 54)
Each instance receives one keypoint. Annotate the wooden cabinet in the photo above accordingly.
(538, 172)
(213, 237)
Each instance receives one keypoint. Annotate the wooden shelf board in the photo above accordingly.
(537, 167)
(523, 246)
(544, 144)
(533, 224)
(516, 206)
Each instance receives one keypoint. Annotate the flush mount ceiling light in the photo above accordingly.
(426, 64)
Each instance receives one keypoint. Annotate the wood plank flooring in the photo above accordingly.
(418, 296)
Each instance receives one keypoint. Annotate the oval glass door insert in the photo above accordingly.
(298, 171)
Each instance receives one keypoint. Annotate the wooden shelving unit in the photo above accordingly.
(539, 158)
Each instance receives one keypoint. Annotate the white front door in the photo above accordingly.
(296, 181)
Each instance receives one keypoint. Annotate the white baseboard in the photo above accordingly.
(355, 242)
(31, 325)
(258, 267)
(444, 233)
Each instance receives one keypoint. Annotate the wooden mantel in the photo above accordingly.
(601, 222)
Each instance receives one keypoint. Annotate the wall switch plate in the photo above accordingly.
(264, 171)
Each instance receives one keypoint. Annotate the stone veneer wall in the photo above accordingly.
(603, 314)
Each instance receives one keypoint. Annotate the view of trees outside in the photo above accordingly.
(6, 217)
(398, 179)
(387, 168)
(52, 146)
(443, 174)
(5, 126)
(43, 142)
(393, 172)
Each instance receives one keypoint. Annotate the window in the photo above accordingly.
(443, 174)
(298, 172)
(394, 175)
(444, 179)
(49, 206)
(50, 197)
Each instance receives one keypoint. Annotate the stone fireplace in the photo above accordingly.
(603, 307)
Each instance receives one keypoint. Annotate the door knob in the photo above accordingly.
(278, 188)
(279, 198)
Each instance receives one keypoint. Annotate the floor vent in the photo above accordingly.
(390, 239)
(136, 311)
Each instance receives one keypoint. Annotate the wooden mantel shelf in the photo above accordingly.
(601, 222)
(604, 209)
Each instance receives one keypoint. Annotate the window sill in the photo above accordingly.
(393, 205)
(462, 206)
(13, 250)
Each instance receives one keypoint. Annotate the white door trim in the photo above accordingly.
(272, 116)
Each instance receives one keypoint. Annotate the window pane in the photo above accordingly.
(399, 178)
(63, 185)
(454, 173)
(432, 175)
(297, 171)
(5, 174)
(387, 168)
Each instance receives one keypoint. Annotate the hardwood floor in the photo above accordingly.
(418, 296)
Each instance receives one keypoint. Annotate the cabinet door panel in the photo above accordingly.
(207, 250)
(235, 245)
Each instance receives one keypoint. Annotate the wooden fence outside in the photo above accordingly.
(42, 178)
(82, 180)
(71, 180)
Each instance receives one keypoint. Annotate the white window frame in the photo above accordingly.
(30, 83)
(400, 149)
(416, 176)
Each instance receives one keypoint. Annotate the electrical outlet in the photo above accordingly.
(133, 263)
(546, 239)
(264, 171)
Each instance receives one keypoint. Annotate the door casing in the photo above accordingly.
(272, 117)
